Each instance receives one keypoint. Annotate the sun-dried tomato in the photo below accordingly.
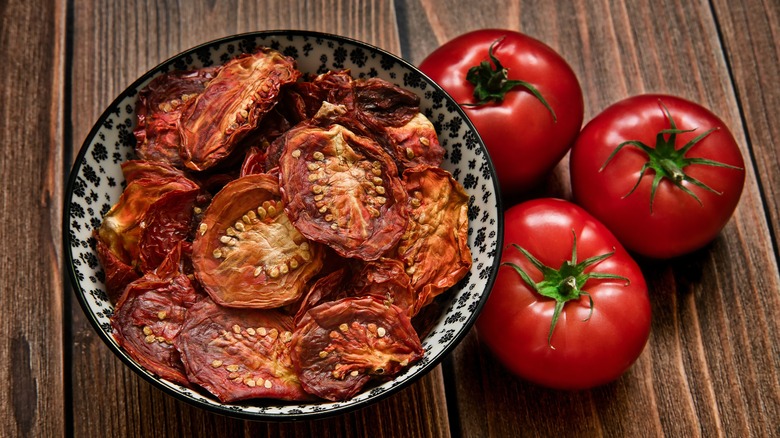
(118, 274)
(414, 143)
(385, 279)
(343, 190)
(159, 109)
(435, 247)
(246, 253)
(239, 354)
(370, 107)
(149, 316)
(140, 169)
(329, 287)
(255, 188)
(243, 91)
(339, 346)
(167, 222)
(122, 226)
(254, 161)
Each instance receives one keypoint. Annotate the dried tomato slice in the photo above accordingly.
(384, 103)
(122, 226)
(415, 143)
(159, 109)
(435, 247)
(343, 190)
(149, 315)
(138, 169)
(254, 161)
(339, 346)
(246, 253)
(386, 278)
(118, 274)
(244, 90)
(329, 287)
(370, 107)
(166, 222)
(393, 114)
(239, 354)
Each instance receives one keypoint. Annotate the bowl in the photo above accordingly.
(96, 182)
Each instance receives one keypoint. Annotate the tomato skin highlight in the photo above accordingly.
(523, 138)
(590, 346)
(678, 224)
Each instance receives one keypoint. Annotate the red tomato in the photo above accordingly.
(579, 316)
(664, 174)
(525, 138)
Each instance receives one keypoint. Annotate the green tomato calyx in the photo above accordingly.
(668, 162)
(492, 84)
(565, 283)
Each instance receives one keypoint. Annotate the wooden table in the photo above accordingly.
(712, 365)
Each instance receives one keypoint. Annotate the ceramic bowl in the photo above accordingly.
(96, 182)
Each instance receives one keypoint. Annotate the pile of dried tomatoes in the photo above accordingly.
(280, 235)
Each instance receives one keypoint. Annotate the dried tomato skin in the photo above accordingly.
(159, 109)
(121, 227)
(149, 315)
(435, 246)
(339, 346)
(414, 143)
(167, 222)
(254, 162)
(328, 287)
(386, 278)
(343, 190)
(118, 274)
(243, 91)
(384, 103)
(256, 144)
(139, 169)
(246, 253)
(392, 114)
(224, 348)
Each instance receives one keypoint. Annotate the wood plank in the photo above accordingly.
(750, 33)
(31, 356)
(114, 45)
(710, 367)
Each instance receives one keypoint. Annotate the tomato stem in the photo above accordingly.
(492, 84)
(565, 283)
(666, 161)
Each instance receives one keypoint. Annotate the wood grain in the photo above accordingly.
(711, 365)
(750, 31)
(31, 47)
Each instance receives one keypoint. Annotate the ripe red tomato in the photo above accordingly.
(663, 173)
(525, 138)
(570, 309)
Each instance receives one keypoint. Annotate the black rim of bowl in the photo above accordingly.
(223, 409)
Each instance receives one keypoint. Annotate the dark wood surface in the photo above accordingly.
(711, 367)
